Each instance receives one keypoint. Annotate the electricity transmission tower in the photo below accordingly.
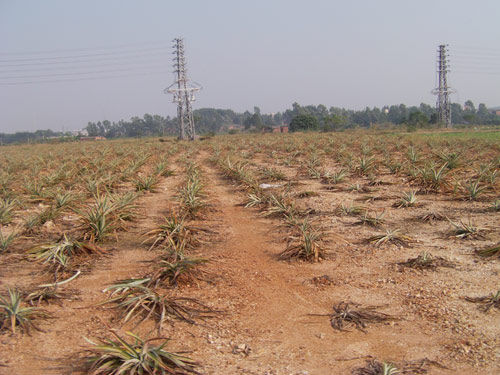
(443, 91)
(183, 91)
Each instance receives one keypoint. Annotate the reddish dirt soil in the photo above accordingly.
(266, 326)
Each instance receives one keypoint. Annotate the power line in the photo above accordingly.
(82, 66)
(77, 59)
(80, 61)
(476, 72)
(475, 48)
(51, 68)
(44, 58)
(162, 72)
(476, 58)
(99, 48)
(78, 73)
(476, 66)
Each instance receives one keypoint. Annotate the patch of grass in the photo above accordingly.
(463, 135)
(125, 357)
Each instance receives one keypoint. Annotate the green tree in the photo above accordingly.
(469, 107)
(253, 121)
(304, 122)
(483, 114)
(457, 113)
(418, 119)
(333, 122)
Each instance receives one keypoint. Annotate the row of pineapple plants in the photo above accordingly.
(155, 295)
(101, 191)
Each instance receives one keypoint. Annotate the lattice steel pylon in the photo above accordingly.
(443, 91)
(183, 91)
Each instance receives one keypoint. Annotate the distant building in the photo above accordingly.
(494, 110)
(77, 133)
(92, 138)
(235, 127)
(280, 129)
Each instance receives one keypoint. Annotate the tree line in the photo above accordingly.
(318, 117)
(310, 117)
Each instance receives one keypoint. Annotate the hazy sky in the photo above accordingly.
(269, 54)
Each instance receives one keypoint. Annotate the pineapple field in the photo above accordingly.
(281, 254)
